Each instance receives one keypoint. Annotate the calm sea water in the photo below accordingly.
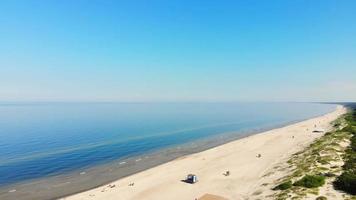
(45, 139)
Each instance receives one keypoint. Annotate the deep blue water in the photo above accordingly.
(43, 139)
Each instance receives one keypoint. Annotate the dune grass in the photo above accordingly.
(347, 180)
(311, 181)
(284, 186)
(318, 164)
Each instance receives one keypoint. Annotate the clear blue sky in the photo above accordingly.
(178, 50)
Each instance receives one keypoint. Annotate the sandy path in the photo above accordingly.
(239, 157)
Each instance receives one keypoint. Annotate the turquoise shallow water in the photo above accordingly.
(39, 140)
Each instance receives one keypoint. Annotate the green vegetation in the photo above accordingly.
(284, 186)
(321, 198)
(347, 180)
(317, 164)
(308, 181)
(311, 181)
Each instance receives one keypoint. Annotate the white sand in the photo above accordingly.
(247, 171)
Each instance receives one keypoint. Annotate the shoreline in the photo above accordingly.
(22, 191)
(81, 180)
(121, 190)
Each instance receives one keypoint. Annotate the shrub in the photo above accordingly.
(321, 198)
(348, 128)
(346, 182)
(283, 186)
(311, 181)
(353, 143)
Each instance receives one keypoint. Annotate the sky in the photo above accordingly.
(177, 50)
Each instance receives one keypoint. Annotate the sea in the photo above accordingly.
(52, 149)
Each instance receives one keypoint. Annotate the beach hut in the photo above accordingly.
(191, 178)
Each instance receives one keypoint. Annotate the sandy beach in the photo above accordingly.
(250, 162)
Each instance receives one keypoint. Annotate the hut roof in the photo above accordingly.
(211, 197)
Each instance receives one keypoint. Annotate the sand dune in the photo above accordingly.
(248, 171)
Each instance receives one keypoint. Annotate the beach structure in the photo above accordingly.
(191, 178)
(211, 197)
(227, 173)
